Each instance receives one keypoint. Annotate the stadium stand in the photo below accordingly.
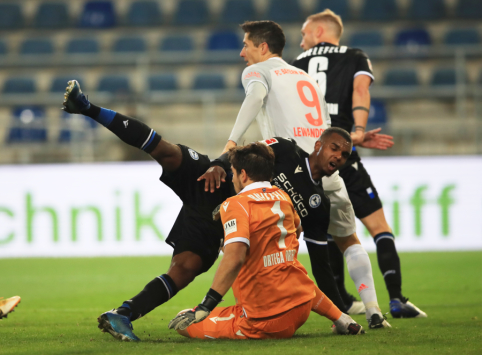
(237, 11)
(59, 83)
(191, 13)
(379, 10)
(203, 81)
(339, 7)
(364, 39)
(36, 46)
(223, 40)
(3, 48)
(129, 44)
(427, 10)
(284, 11)
(75, 127)
(98, 14)
(82, 46)
(162, 82)
(462, 36)
(444, 77)
(11, 17)
(413, 40)
(469, 9)
(27, 125)
(19, 85)
(378, 113)
(176, 43)
(144, 14)
(114, 84)
(401, 77)
(52, 15)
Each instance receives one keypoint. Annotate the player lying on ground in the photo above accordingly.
(7, 306)
(298, 174)
(346, 75)
(274, 295)
(195, 237)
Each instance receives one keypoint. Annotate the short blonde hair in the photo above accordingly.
(329, 17)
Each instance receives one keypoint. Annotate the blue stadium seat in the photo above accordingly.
(36, 46)
(401, 77)
(191, 13)
(28, 125)
(466, 36)
(366, 39)
(114, 84)
(144, 13)
(162, 82)
(224, 40)
(209, 82)
(3, 48)
(469, 9)
(129, 44)
(479, 81)
(98, 14)
(284, 11)
(52, 15)
(379, 10)
(11, 17)
(339, 7)
(237, 11)
(19, 85)
(176, 43)
(443, 77)
(427, 10)
(66, 134)
(413, 39)
(59, 83)
(82, 46)
(378, 113)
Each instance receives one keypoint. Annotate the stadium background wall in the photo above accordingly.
(122, 208)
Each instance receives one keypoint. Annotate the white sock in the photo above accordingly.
(360, 270)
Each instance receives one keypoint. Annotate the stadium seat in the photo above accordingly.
(469, 9)
(379, 10)
(114, 84)
(3, 48)
(427, 10)
(224, 40)
(98, 14)
(36, 46)
(284, 11)
(162, 82)
(19, 85)
(401, 77)
(458, 37)
(444, 77)
(339, 7)
(191, 13)
(28, 125)
(366, 39)
(11, 17)
(237, 11)
(52, 15)
(479, 80)
(66, 134)
(378, 113)
(82, 46)
(209, 82)
(144, 13)
(129, 44)
(59, 83)
(176, 43)
(413, 40)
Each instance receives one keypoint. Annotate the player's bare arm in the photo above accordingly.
(374, 140)
(360, 107)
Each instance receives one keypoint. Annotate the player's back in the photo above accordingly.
(271, 280)
(294, 106)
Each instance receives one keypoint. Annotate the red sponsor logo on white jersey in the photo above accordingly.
(271, 141)
(252, 74)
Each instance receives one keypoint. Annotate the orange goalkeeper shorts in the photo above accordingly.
(230, 323)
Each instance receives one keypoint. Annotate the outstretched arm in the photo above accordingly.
(374, 140)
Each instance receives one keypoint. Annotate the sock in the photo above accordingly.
(156, 292)
(322, 272)
(324, 307)
(337, 264)
(360, 270)
(389, 263)
(128, 129)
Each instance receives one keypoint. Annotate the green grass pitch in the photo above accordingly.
(61, 299)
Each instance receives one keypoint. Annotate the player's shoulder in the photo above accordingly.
(356, 52)
(253, 71)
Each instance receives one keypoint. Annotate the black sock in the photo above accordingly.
(128, 129)
(321, 269)
(337, 264)
(156, 292)
(389, 263)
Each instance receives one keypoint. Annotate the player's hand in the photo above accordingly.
(374, 140)
(213, 176)
(184, 320)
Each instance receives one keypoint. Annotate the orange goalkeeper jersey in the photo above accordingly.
(272, 280)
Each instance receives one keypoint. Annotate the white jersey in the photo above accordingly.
(294, 106)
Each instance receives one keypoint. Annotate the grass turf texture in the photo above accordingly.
(61, 299)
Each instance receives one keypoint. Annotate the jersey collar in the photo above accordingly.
(309, 171)
(327, 44)
(276, 58)
(256, 185)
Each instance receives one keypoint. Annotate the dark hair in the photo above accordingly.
(330, 131)
(257, 159)
(266, 31)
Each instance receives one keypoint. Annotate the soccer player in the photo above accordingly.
(287, 102)
(345, 75)
(274, 295)
(8, 305)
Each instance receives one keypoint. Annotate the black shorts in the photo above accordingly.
(194, 229)
(363, 194)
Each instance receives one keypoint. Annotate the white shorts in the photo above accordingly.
(342, 215)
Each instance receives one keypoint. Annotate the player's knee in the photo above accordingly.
(344, 243)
